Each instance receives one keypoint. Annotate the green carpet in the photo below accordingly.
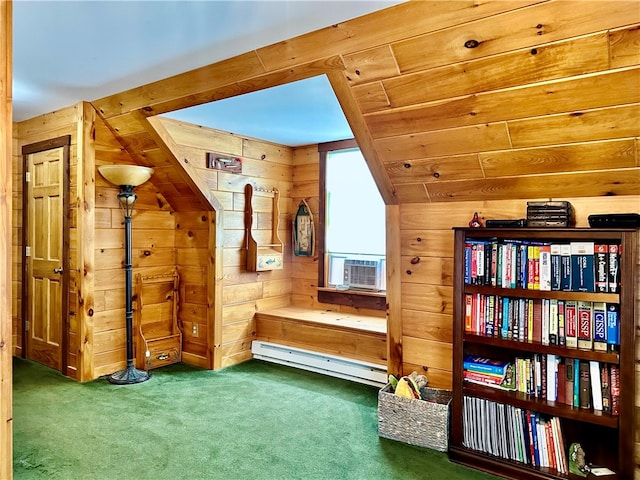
(256, 421)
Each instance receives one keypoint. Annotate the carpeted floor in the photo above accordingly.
(256, 421)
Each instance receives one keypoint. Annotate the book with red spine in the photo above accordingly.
(487, 378)
(474, 263)
(536, 267)
(551, 450)
(571, 323)
(568, 381)
(585, 325)
(468, 312)
(615, 389)
(530, 268)
(562, 379)
(606, 388)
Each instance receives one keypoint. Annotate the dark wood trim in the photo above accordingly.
(63, 142)
(24, 310)
(348, 298)
(353, 299)
(322, 215)
(337, 145)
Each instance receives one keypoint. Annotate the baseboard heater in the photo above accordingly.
(341, 367)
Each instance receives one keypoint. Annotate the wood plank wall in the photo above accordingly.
(266, 166)
(306, 177)
(153, 252)
(67, 121)
(6, 148)
(192, 252)
(545, 106)
(509, 118)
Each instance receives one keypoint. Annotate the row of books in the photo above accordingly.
(577, 324)
(570, 381)
(513, 433)
(573, 266)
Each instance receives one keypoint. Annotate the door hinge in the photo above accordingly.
(27, 251)
(26, 326)
(27, 177)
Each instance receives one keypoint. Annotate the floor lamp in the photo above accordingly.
(127, 177)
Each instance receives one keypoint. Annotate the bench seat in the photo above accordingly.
(360, 337)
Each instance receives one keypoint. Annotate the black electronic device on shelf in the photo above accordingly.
(614, 220)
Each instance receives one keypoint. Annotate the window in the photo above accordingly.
(353, 215)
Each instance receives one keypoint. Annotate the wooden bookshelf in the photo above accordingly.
(607, 439)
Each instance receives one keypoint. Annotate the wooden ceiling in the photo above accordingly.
(449, 101)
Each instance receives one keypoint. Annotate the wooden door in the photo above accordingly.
(46, 253)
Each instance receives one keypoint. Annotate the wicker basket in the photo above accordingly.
(424, 423)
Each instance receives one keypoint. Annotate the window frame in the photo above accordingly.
(368, 300)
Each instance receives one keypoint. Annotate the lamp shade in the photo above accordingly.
(130, 175)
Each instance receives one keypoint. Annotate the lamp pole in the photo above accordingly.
(127, 177)
(130, 374)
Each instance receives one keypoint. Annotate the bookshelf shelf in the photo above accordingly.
(505, 467)
(526, 293)
(557, 409)
(606, 437)
(606, 357)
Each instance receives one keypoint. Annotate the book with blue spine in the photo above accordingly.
(613, 327)
(556, 271)
(467, 263)
(524, 260)
(477, 363)
(582, 267)
(601, 265)
(536, 443)
(565, 267)
(505, 318)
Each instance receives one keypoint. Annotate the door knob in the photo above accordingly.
(57, 270)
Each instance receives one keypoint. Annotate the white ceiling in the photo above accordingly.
(68, 51)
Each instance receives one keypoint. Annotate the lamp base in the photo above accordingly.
(129, 376)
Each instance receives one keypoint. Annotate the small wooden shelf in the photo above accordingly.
(160, 339)
(263, 256)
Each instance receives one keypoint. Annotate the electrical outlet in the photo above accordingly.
(194, 330)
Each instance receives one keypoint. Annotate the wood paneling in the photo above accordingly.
(511, 69)
(526, 27)
(545, 107)
(6, 333)
(241, 293)
(340, 341)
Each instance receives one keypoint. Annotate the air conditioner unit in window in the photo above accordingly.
(365, 274)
